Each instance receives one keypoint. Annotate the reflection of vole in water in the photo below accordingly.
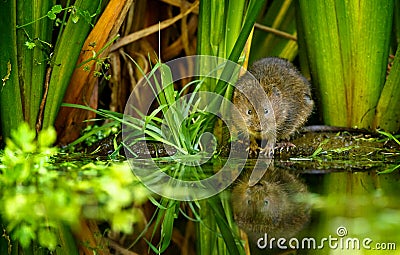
(273, 206)
(289, 104)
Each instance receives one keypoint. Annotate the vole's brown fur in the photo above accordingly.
(281, 110)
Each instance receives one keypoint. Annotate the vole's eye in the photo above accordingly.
(276, 91)
(249, 112)
(266, 111)
(307, 98)
(266, 202)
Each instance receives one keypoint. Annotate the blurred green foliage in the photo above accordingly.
(39, 195)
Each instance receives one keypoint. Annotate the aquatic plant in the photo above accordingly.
(43, 42)
(347, 45)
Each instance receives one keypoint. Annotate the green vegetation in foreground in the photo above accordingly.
(40, 197)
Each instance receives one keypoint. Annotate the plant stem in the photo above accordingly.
(33, 62)
(11, 114)
(67, 52)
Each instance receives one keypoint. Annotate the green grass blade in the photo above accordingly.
(168, 224)
(217, 38)
(167, 84)
(206, 235)
(136, 124)
(223, 226)
(396, 24)
(251, 14)
(92, 132)
(204, 28)
(234, 23)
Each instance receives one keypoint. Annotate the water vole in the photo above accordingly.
(277, 109)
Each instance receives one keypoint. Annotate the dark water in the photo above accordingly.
(312, 211)
(349, 212)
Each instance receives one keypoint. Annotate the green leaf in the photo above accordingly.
(25, 235)
(389, 170)
(168, 224)
(387, 111)
(122, 221)
(51, 15)
(389, 135)
(47, 239)
(167, 84)
(56, 9)
(30, 45)
(47, 137)
(11, 112)
(75, 18)
(348, 46)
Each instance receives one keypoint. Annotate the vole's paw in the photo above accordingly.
(284, 145)
(268, 151)
(253, 150)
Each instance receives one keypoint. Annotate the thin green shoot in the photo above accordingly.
(390, 170)
(319, 148)
(31, 42)
(389, 135)
(153, 131)
(56, 9)
(92, 132)
(187, 216)
(63, 22)
(97, 54)
(165, 218)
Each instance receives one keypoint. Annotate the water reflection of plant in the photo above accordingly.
(363, 202)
